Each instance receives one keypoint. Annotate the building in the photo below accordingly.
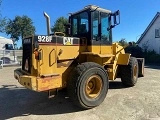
(150, 39)
(5, 41)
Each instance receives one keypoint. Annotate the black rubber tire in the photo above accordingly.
(128, 77)
(141, 67)
(77, 83)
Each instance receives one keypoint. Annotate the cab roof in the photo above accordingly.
(92, 8)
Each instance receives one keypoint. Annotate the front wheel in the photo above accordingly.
(129, 73)
(88, 85)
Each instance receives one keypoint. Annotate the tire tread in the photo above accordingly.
(74, 79)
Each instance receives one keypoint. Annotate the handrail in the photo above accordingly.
(55, 33)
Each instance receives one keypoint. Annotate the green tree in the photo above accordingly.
(20, 27)
(123, 42)
(3, 20)
(20, 48)
(59, 25)
(3, 23)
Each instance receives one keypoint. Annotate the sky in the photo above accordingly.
(135, 15)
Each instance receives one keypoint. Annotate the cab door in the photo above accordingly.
(101, 36)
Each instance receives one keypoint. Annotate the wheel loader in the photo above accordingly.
(82, 60)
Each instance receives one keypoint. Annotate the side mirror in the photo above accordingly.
(115, 19)
(116, 16)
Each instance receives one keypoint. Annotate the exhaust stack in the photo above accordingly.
(48, 23)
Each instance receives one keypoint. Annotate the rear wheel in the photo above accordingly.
(129, 73)
(88, 85)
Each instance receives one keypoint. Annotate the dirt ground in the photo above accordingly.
(141, 102)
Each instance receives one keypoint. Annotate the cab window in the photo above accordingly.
(100, 33)
(104, 26)
(95, 25)
(80, 25)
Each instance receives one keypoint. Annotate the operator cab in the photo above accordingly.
(94, 24)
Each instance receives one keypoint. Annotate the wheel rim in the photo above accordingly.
(93, 86)
(135, 71)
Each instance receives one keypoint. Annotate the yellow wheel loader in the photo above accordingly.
(83, 59)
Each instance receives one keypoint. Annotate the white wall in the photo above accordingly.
(150, 40)
(4, 41)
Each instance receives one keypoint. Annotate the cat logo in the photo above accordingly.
(26, 65)
(67, 41)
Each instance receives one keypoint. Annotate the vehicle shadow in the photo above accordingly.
(152, 66)
(18, 101)
(116, 85)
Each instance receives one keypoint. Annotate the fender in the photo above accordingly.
(123, 59)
